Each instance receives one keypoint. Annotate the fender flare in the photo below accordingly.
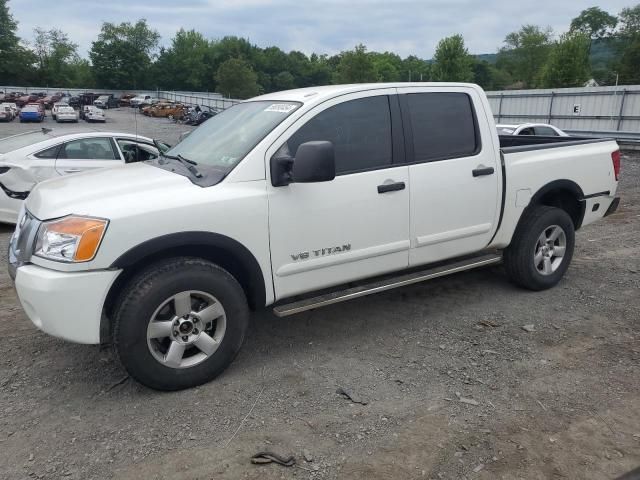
(175, 242)
(566, 185)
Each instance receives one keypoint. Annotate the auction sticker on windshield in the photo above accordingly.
(280, 107)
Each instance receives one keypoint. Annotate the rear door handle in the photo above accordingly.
(391, 187)
(72, 170)
(482, 170)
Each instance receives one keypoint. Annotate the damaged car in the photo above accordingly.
(30, 158)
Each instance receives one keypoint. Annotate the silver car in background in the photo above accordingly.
(66, 114)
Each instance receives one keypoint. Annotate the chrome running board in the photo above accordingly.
(387, 284)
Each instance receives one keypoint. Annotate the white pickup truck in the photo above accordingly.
(296, 200)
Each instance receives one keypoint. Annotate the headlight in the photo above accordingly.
(70, 239)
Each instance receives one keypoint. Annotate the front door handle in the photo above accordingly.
(391, 187)
(72, 170)
(482, 170)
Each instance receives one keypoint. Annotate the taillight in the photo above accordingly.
(615, 158)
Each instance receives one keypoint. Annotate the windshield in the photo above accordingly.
(10, 144)
(225, 139)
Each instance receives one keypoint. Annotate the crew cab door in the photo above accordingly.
(355, 226)
(454, 172)
(86, 154)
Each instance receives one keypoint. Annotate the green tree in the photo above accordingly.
(55, 55)
(630, 21)
(81, 73)
(489, 77)
(568, 63)
(414, 69)
(355, 66)
(283, 81)
(628, 46)
(123, 53)
(236, 79)
(15, 60)
(388, 66)
(452, 62)
(524, 54)
(320, 70)
(186, 64)
(629, 63)
(594, 22)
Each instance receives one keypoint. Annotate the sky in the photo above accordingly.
(405, 27)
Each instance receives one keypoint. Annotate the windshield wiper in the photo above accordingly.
(189, 164)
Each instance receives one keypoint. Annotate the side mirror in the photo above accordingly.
(314, 162)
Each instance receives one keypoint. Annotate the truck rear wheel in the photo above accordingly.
(180, 323)
(541, 249)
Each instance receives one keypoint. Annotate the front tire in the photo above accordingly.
(541, 248)
(179, 323)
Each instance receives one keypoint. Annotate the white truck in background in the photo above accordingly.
(344, 190)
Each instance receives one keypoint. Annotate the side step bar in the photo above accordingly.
(387, 284)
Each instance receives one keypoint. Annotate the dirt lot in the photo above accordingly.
(455, 387)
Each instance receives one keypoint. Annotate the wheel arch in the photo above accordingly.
(219, 249)
(564, 194)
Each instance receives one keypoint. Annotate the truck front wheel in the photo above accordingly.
(541, 248)
(180, 323)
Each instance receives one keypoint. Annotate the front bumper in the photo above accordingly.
(67, 305)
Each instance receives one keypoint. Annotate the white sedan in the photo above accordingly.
(33, 157)
(66, 114)
(94, 114)
(539, 129)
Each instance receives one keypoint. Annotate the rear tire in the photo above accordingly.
(541, 248)
(184, 305)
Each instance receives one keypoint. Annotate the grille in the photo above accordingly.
(22, 241)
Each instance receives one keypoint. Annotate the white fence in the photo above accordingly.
(588, 109)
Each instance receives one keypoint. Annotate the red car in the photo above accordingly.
(22, 101)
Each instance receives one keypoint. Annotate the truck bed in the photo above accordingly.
(525, 143)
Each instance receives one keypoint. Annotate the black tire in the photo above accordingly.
(519, 255)
(147, 291)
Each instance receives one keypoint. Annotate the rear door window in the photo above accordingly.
(88, 148)
(443, 125)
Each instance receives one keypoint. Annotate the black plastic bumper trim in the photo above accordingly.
(613, 207)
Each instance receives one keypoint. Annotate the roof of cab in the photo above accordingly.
(318, 94)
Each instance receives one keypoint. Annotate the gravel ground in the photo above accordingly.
(454, 386)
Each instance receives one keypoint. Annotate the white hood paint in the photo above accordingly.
(104, 192)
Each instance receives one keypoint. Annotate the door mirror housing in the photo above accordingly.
(314, 162)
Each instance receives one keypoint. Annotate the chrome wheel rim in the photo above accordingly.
(186, 329)
(550, 249)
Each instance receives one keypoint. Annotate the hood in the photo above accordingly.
(106, 192)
